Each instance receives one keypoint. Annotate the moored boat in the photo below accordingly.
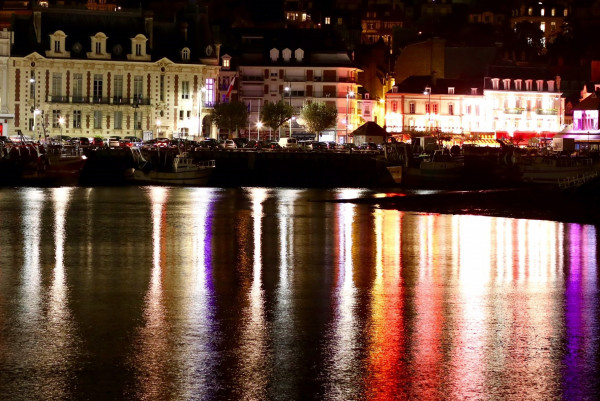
(181, 170)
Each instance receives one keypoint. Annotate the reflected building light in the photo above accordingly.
(285, 213)
(33, 201)
(475, 252)
(253, 353)
(343, 336)
(61, 198)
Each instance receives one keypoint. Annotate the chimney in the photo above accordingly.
(149, 25)
(37, 26)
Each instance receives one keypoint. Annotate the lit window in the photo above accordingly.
(530, 11)
(542, 12)
(327, 20)
(226, 63)
(451, 91)
(565, 13)
(185, 54)
(411, 108)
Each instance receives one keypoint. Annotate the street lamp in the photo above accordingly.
(258, 125)
(349, 94)
(61, 121)
(200, 104)
(428, 93)
(158, 122)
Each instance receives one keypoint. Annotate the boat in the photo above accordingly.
(559, 171)
(180, 169)
(438, 169)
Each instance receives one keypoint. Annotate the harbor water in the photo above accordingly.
(156, 293)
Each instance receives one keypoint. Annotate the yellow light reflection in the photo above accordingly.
(386, 368)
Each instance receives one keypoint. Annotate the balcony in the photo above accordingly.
(253, 78)
(514, 110)
(546, 112)
(58, 99)
(80, 99)
(100, 100)
(121, 100)
(141, 101)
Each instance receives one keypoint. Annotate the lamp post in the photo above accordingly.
(289, 92)
(258, 125)
(428, 93)
(200, 104)
(349, 94)
(158, 122)
(61, 121)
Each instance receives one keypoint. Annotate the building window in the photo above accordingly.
(565, 13)
(137, 120)
(57, 46)
(118, 124)
(98, 86)
(394, 106)
(530, 11)
(411, 108)
(98, 48)
(495, 83)
(327, 20)
(528, 85)
(518, 84)
(542, 12)
(427, 107)
(76, 118)
(451, 109)
(181, 114)
(540, 85)
(473, 91)
(553, 12)
(138, 49)
(55, 118)
(185, 54)
(185, 89)
(137, 88)
(97, 119)
(162, 88)
(451, 91)
(118, 87)
(340, 21)
(56, 84)
(189, 114)
(78, 86)
(435, 108)
(209, 95)
(226, 63)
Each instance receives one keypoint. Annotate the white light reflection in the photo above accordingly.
(153, 338)
(33, 201)
(254, 381)
(58, 291)
(284, 331)
(196, 359)
(344, 342)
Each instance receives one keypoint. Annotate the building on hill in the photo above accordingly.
(99, 73)
(295, 66)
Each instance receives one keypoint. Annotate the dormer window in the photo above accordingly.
(450, 90)
(287, 55)
(528, 85)
(506, 84)
(518, 83)
(540, 85)
(57, 45)
(185, 54)
(226, 61)
(299, 53)
(274, 53)
(473, 91)
(98, 47)
(138, 46)
(550, 86)
(495, 83)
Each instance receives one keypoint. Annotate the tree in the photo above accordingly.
(273, 115)
(230, 116)
(318, 116)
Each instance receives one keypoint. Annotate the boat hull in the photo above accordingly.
(199, 177)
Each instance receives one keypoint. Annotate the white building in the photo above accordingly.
(80, 80)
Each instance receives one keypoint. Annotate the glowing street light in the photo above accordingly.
(349, 94)
(427, 92)
(61, 121)
(200, 104)
(259, 124)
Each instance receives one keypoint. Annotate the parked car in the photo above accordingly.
(368, 146)
(319, 146)
(273, 146)
(229, 144)
(80, 140)
(209, 143)
(306, 145)
(97, 141)
(288, 143)
(113, 141)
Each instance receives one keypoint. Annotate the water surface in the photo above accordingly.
(153, 293)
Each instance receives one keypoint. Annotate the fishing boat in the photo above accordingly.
(181, 169)
(437, 169)
(556, 170)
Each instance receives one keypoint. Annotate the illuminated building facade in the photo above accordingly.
(83, 76)
(500, 107)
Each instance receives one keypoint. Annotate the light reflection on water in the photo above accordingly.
(204, 293)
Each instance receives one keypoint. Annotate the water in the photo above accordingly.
(274, 294)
